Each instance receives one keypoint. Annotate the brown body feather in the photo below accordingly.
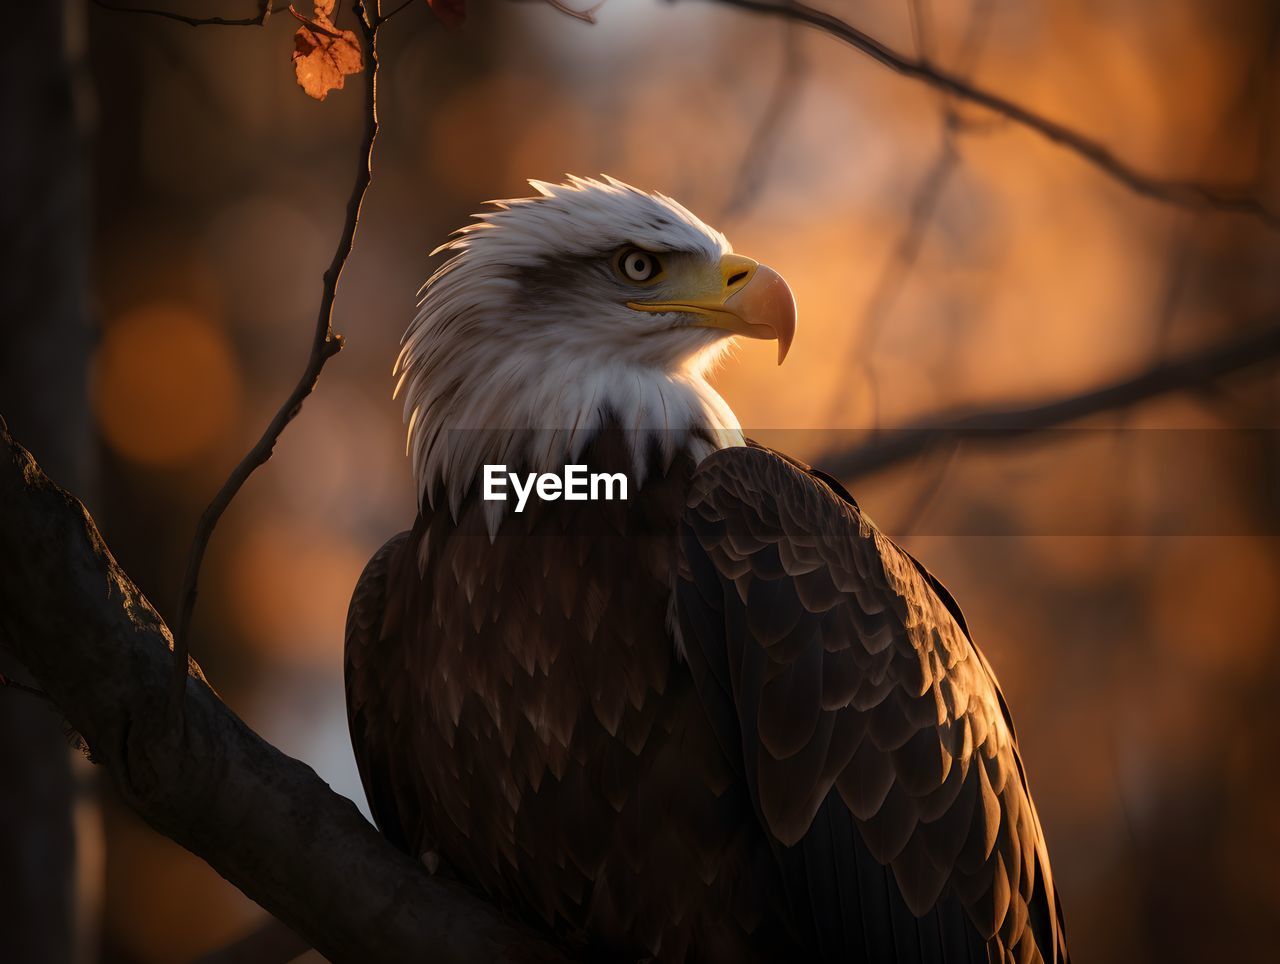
(820, 768)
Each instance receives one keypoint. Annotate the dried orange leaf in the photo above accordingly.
(323, 55)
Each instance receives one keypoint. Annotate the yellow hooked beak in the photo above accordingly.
(748, 299)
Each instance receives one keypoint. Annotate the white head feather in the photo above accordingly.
(523, 340)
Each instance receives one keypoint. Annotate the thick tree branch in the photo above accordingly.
(324, 345)
(1188, 194)
(264, 821)
(1002, 423)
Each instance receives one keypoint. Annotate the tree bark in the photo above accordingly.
(264, 821)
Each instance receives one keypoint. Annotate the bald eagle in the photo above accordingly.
(724, 719)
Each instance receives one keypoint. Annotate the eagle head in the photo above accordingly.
(592, 300)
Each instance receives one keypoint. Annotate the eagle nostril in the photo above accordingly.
(734, 279)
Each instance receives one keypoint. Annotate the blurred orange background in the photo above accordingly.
(1139, 658)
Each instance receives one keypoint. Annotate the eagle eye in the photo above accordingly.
(637, 265)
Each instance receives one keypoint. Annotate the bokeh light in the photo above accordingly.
(292, 584)
(166, 386)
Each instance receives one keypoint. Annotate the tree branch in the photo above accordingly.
(896, 271)
(1187, 194)
(586, 15)
(924, 202)
(757, 156)
(13, 684)
(324, 345)
(264, 12)
(1005, 422)
(386, 18)
(264, 821)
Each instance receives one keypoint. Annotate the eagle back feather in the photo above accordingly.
(870, 731)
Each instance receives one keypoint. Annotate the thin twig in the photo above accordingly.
(386, 18)
(586, 15)
(324, 345)
(924, 204)
(762, 144)
(1006, 422)
(919, 34)
(13, 684)
(264, 12)
(1187, 194)
(896, 271)
(925, 498)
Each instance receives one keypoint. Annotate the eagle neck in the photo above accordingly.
(541, 422)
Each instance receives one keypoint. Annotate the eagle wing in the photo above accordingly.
(872, 735)
(378, 696)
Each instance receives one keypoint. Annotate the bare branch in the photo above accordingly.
(1187, 194)
(925, 497)
(260, 20)
(324, 345)
(385, 18)
(586, 15)
(74, 619)
(1002, 423)
(924, 203)
(762, 144)
(893, 276)
(13, 684)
